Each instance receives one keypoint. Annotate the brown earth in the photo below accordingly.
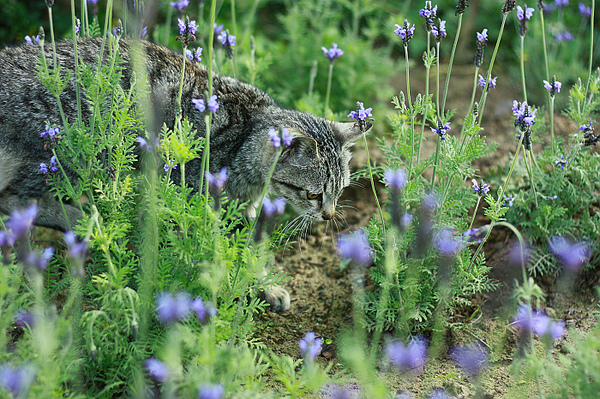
(322, 294)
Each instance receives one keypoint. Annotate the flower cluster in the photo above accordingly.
(407, 356)
(169, 166)
(524, 15)
(584, 11)
(274, 207)
(461, 6)
(158, 370)
(395, 179)
(481, 188)
(482, 39)
(332, 53)
(537, 322)
(194, 56)
(187, 31)
(228, 42)
(355, 248)
(310, 346)
(561, 163)
(441, 130)
(508, 6)
(16, 380)
(147, 146)
(588, 134)
(482, 82)
(524, 119)
(405, 32)
(439, 30)
(476, 234)
(286, 137)
(563, 36)
(362, 115)
(174, 308)
(216, 182)
(212, 104)
(429, 14)
(447, 243)
(53, 167)
(51, 136)
(573, 255)
(32, 40)
(212, 391)
(553, 86)
(180, 5)
(508, 200)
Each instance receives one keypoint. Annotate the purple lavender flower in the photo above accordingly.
(395, 178)
(216, 182)
(409, 356)
(286, 137)
(355, 247)
(40, 261)
(405, 32)
(476, 234)
(16, 380)
(44, 168)
(157, 369)
(585, 11)
(212, 391)
(228, 42)
(482, 36)
(461, 7)
(561, 163)
(92, 2)
(439, 30)
(213, 105)
(561, 3)
(519, 254)
(492, 83)
(310, 346)
(274, 136)
(187, 31)
(332, 53)
(194, 56)
(563, 36)
(439, 393)
(362, 115)
(441, 130)
(481, 188)
(508, 200)
(203, 311)
(447, 242)
(171, 308)
(201, 105)
(538, 323)
(523, 114)
(53, 164)
(587, 129)
(218, 29)
(77, 249)
(274, 207)
(336, 391)
(21, 220)
(168, 167)
(553, 86)
(180, 5)
(471, 358)
(573, 255)
(26, 318)
(508, 6)
(482, 39)
(32, 40)
(145, 145)
(524, 15)
(7, 239)
(429, 14)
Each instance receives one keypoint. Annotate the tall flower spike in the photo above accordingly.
(405, 32)
(362, 116)
(439, 30)
(482, 39)
(355, 247)
(187, 31)
(524, 15)
(429, 13)
(461, 6)
(553, 86)
(228, 41)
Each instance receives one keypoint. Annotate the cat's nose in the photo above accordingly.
(328, 213)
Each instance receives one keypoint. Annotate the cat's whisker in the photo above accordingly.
(354, 183)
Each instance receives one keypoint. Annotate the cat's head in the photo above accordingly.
(314, 170)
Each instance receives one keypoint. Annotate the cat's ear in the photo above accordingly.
(302, 151)
(347, 132)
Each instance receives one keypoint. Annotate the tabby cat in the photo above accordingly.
(310, 174)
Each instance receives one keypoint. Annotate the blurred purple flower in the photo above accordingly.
(77, 249)
(273, 207)
(471, 358)
(447, 242)
(40, 261)
(518, 254)
(310, 346)
(145, 145)
(336, 391)
(585, 11)
(26, 318)
(167, 167)
(395, 178)
(573, 255)
(563, 36)
(332, 53)
(538, 323)
(409, 356)
(440, 394)
(157, 369)
(201, 105)
(212, 391)
(524, 13)
(203, 311)
(286, 137)
(171, 308)
(561, 3)
(476, 234)
(31, 40)
(180, 5)
(441, 130)
(508, 200)
(217, 181)
(16, 380)
(355, 247)
(21, 220)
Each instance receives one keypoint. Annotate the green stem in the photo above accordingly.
(435, 161)
(328, 92)
(591, 56)
(452, 60)
(474, 213)
(552, 125)
(372, 181)
(522, 62)
(440, 112)
(544, 44)
(426, 111)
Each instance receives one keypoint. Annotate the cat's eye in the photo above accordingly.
(312, 196)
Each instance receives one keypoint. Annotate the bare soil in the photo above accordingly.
(322, 294)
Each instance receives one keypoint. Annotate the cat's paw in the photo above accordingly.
(278, 299)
